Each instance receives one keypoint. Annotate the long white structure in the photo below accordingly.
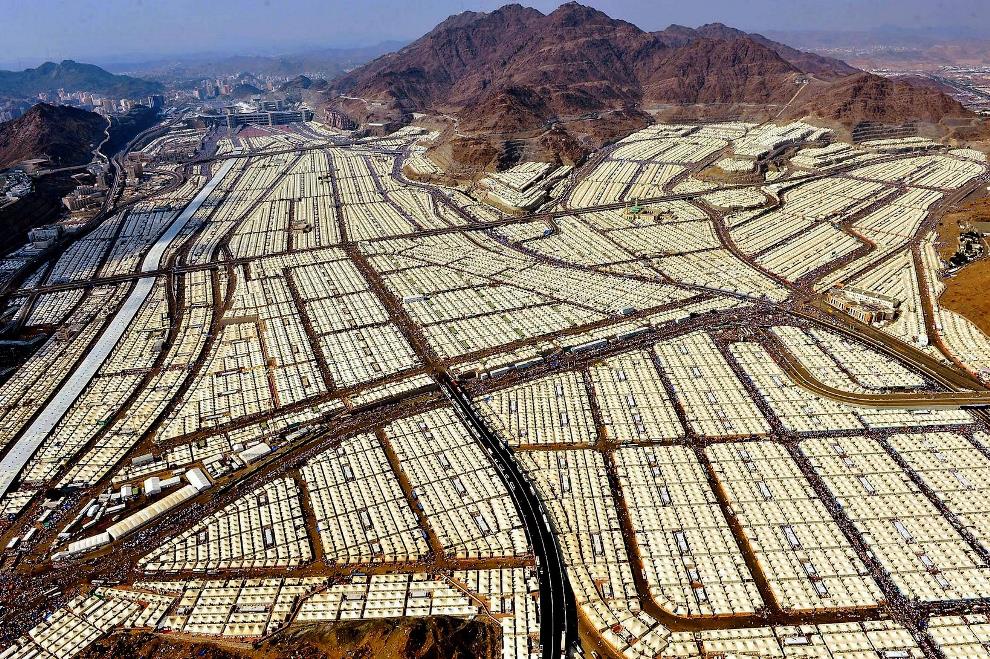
(21, 452)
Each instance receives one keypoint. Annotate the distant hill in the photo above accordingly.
(330, 62)
(923, 48)
(73, 76)
(66, 135)
(303, 88)
(300, 83)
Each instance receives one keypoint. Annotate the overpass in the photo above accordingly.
(20, 453)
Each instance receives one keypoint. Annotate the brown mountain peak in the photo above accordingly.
(64, 134)
(574, 14)
(518, 70)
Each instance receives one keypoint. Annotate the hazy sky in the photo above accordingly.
(101, 30)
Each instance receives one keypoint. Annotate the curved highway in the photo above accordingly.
(802, 377)
(558, 612)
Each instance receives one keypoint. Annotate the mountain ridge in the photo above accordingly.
(517, 69)
(73, 76)
(63, 133)
(813, 63)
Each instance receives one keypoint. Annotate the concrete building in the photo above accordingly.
(134, 165)
(43, 237)
(340, 120)
(84, 196)
(267, 118)
(863, 305)
(269, 106)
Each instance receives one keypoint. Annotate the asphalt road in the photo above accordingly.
(927, 400)
(558, 612)
(951, 378)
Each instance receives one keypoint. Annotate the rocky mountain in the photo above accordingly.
(516, 70)
(303, 89)
(124, 127)
(578, 60)
(873, 98)
(868, 97)
(73, 76)
(66, 135)
(716, 71)
(823, 67)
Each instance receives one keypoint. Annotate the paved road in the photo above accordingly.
(558, 613)
(927, 400)
(471, 225)
(19, 454)
(837, 321)
(257, 153)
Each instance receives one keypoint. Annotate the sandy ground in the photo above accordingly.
(968, 291)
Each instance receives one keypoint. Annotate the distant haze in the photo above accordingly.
(109, 31)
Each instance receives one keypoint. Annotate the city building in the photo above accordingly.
(339, 120)
(84, 196)
(43, 237)
(269, 106)
(134, 165)
(270, 118)
(863, 305)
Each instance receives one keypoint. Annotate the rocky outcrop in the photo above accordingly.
(867, 97)
(64, 134)
(301, 83)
